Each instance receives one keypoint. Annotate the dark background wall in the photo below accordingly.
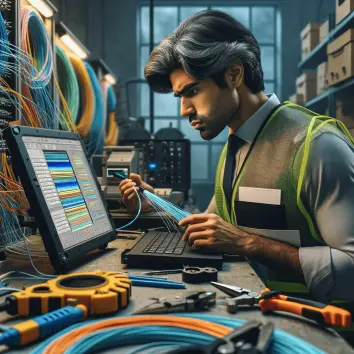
(109, 29)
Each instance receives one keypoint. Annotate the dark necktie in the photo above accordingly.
(233, 145)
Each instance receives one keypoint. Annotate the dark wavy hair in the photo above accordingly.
(204, 46)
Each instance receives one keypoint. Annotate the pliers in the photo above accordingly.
(196, 301)
(251, 338)
(269, 300)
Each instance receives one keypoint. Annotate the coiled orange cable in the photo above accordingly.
(64, 342)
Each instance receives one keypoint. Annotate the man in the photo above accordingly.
(212, 63)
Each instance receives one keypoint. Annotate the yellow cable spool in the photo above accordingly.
(100, 292)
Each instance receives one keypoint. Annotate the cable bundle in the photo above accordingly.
(4, 45)
(68, 89)
(111, 103)
(95, 138)
(87, 103)
(158, 334)
(170, 214)
(35, 42)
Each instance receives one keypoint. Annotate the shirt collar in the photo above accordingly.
(249, 129)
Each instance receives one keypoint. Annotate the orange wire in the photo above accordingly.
(64, 342)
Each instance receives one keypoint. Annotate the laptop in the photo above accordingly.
(163, 250)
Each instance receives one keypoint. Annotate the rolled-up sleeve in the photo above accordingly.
(328, 191)
(211, 207)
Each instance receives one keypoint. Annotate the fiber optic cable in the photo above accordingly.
(68, 82)
(87, 101)
(95, 138)
(35, 41)
(3, 45)
(112, 127)
(201, 329)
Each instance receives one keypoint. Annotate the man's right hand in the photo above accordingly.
(127, 188)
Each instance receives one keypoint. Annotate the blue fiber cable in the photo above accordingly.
(94, 141)
(147, 336)
(111, 102)
(136, 216)
(4, 49)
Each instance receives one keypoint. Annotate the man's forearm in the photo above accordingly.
(275, 254)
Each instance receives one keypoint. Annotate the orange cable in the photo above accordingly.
(64, 342)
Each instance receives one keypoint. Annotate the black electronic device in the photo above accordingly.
(167, 250)
(63, 192)
(167, 163)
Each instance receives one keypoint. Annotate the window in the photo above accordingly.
(262, 20)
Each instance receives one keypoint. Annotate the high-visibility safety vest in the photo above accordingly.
(270, 163)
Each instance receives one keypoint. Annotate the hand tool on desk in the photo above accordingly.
(196, 301)
(251, 338)
(269, 301)
(190, 274)
(163, 272)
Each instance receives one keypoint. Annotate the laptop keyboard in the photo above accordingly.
(167, 243)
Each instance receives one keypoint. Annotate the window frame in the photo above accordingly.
(275, 44)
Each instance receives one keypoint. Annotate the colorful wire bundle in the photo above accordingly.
(87, 102)
(35, 42)
(4, 47)
(158, 333)
(170, 214)
(68, 82)
(95, 138)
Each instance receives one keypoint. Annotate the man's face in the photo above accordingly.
(208, 106)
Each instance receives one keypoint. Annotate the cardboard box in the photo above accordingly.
(298, 99)
(345, 111)
(343, 9)
(322, 82)
(324, 30)
(306, 85)
(341, 58)
(310, 37)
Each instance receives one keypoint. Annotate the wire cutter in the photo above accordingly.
(251, 338)
(269, 301)
(197, 301)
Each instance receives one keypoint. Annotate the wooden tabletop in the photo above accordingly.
(239, 274)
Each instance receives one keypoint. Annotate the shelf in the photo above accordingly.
(342, 86)
(319, 53)
(317, 56)
(323, 98)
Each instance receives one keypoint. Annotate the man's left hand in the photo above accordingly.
(212, 232)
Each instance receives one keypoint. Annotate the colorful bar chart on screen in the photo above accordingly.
(83, 177)
(68, 189)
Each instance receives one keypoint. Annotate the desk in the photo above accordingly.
(237, 273)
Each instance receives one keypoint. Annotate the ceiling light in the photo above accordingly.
(42, 7)
(73, 46)
(111, 79)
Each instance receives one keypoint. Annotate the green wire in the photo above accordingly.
(68, 82)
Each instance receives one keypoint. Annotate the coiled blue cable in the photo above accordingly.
(43, 55)
(111, 100)
(95, 139)
(164, 337)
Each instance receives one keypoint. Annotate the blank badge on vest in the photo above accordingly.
(260, 208)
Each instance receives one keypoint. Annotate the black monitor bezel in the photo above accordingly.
(60, 259)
